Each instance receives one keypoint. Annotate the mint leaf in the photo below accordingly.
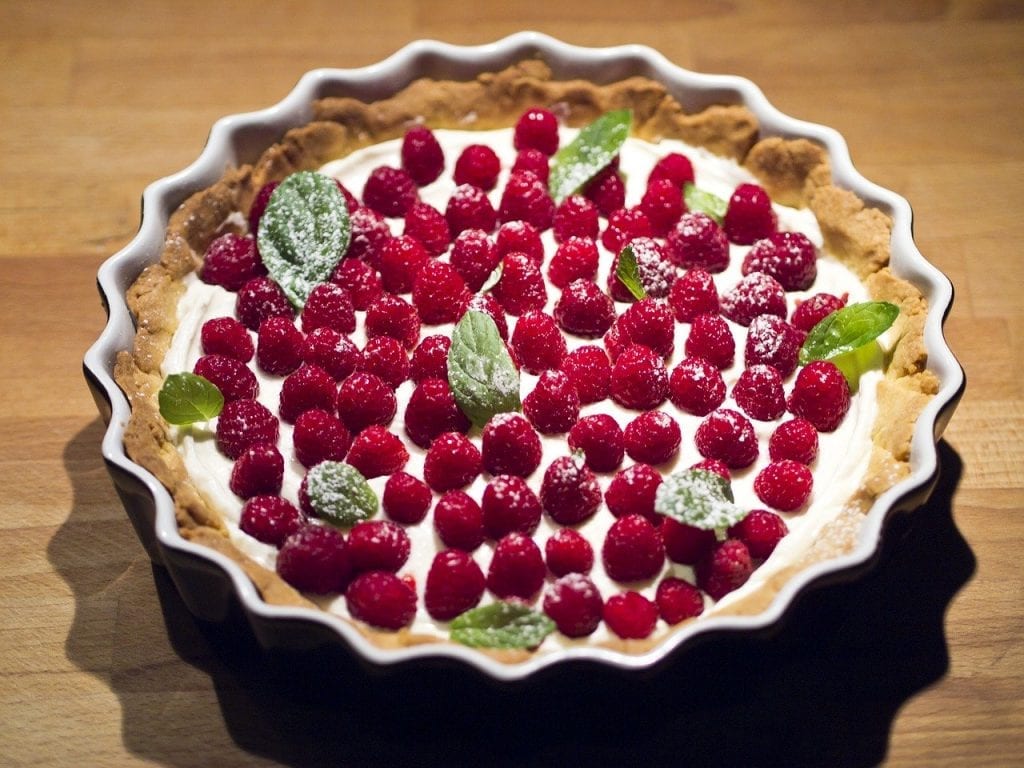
(593, 148)
(700, 201)
(628, 273)
(186, 398)
(481, 374)
(303, 233)
(339, 493)
(494, 278)
(699, 498)
(501, 625)
(848, 329)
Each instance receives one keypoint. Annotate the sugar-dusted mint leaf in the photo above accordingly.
(493, 278)
(848, 329)
(303, 233)
(501, 625)
(186, 398)
(339, 493)
(701, 201)
(593, 148)
(628, 273)
(699, 498)
(481, 374)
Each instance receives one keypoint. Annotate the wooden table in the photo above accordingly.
(921, 663)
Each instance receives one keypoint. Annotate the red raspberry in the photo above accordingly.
(519, 237)
(422, 156)
(648, 322)
(227, 336)
(319, 436)
(474, 256)
(600, 438)
(784, 485)
(532, 161)
(259, 471)
(536, 128)
(796, 439)
(624, 225)
(390, 191)
(537, 342)
(607, 190)
(279, 346)
(517, 568)
(711, 338)
(259, 205)
(242, 423)
(589, 371)
(725, 568)
(452, 462)
(469, 208)
(307, 388)
(455, 584)
(717, 466)
(761, 531)
(662, 203)
(426, 224)
(653, 437)
(576, 216)
(234, 380)
(259, 299)
(632, 491)
(639, 379)
(329, 306)
(630, 615)
(485, 302)
(526, 198)
(393, 316)
(820, 395)
(459, 521)
(406, 499)
(749, 215)
(675, 167)
(521, 287)
(365, 399)
(401, 259)
(696, 386)
(376, 452)
(509, 504)
(332, 351)
(772, 341)
(478, 165)
(657, 274)
(729, 436)
(510, 446)
(231, 261)
(381, 599)
(384, 356)
(569, 491)
(439, 293)
(574, 604)
(430, 359)
(378, 545)
(576, 258)
(351, 203)
(813, 310)
(369, 233)
(693, 294)
(684, 543)
(758, 393)
(270, 519)
(431, 411)
(584, 309)
(553, 406)
(568, 551)
(678, 600)
(789, 257)
(315, 559)
(698, 241)
(362, 282)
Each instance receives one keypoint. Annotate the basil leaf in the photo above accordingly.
(481, 374)
(701, 201)
(186, 398)
(628, 273)
(501, 625)
(593, 148)
(848, 329)
(303, 233)
(699, 498)
(339, 493)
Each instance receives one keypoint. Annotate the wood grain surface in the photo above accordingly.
(918, 663)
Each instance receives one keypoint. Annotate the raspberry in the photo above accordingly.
(758, 393)
(455, 584)
(332, 351)
(657, 274)
(698, 241)
(369, 233)
(568, 551)
(526, 198)
(678, 600)
(553, 406)
(234, 380)
(784, 485)
(569, 491)
(279, 346)
(459, 521)
(231, 261)
(390, 191)
(365, 399)
(510, 446)
(259, 205)
(749, 215)
(432, 411)
(307, 388)
(600, 438)
(584, 309)
(630, 615)
(772, 341)
(532, 161)
(270, 519)
(315, 559)
(675, 167)
(589, 371)
(474, 256)
(632, 549)
(422, 156)
(607, 190)
(242, 423)
(452, 462)
(536, 128)
(385, 357)
(426, 224)
(717, 466)
(509, 504)
(401, 259)
(662, 203)
(711, 339)
(227, 336)
(517, 568)
(259, 471)
(537, 342)
(693, 294)
(406, 499)
(519, 237)
(648, 322)
(725, 568)
(430, 359)
(259, 299)
(624, 225)
(576, 258)
(376, 452)
(381, 599)
(478, 165)
(696, 386)
(469, 208)
(639, 379)
(820, 395)
(521, 287)
(631, 492)
(684, 543)
(574, 604)
(351, 203)
(329, 306)
(485, 302)
(813, 310)
(319, 436)
(395, 317)
(729, 436)
(362, 282)
(796, 439)
(789, 257)
(653, 437)
(439, 293)
(761, 531)
(576, 216)
(378, 545)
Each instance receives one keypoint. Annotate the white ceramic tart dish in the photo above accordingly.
(344, 122)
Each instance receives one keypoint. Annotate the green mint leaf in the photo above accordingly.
(481, 374)
(501, 625)
(593, 148)
(700, 201)
(848, 329)
(628, 273)
(493, 278)
(303, 233)
(699, 498)
(339, 493)
(186, 398)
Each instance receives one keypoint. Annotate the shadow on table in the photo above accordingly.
(821, 690)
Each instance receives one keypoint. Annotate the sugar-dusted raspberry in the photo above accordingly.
(279, 346)
(607, 190)
(270, 519)
(657, 274)
(259, 471)
(630, 615)
(401, 259)
(381, 599)
(259, 299)
(574, 604)
(624, 225)
(361, 280)
(696, 386)
(698, 241)
(648, 322)
(453, 461)
(584, 309)
(796, 439)
(351, 202)
(385, 357)
(458, 521)
(242, 423)
(684, 543)
(532, 161)
(521, 287)
(439, 293)
(469, 208)
(590, 371)
(232, 377)
(693, 294)
(517, 568)
(306, 388)
(811, 311)
(364, 399)
(510, 445)
(725, 568)
(820, 395)
(537, 342)
(378, 545)
(426, 224)
(526, 198)
(376, 452)
(432, 411)
(761, 530)
(231, 261)
(430, 358)
(390, 191)
(509, 504)
(717, 466)
(369, 233)
(568, 551)
(474, 256)
(455, 584)
(477, 165)
(639, 379)
(576, 216)
(662, 203)
(569, 491)
(315, 559)
(227, 336)
(675, 167)
(259, 205)
(485, 302)
(749, 215)
(758, 393)
(519, 237)
(319, 436)
(653, 437)
(406, 499)
(599, 436)
(678, 600)
(727, 435)
(772, 341)
(632, 491)
(329, 306)
(536, 128)
(711, 339)
(576, 258)
(789, 257)
(554, 405)
(422, 156)
(332, 351)
(395, 317)
(784, 485)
